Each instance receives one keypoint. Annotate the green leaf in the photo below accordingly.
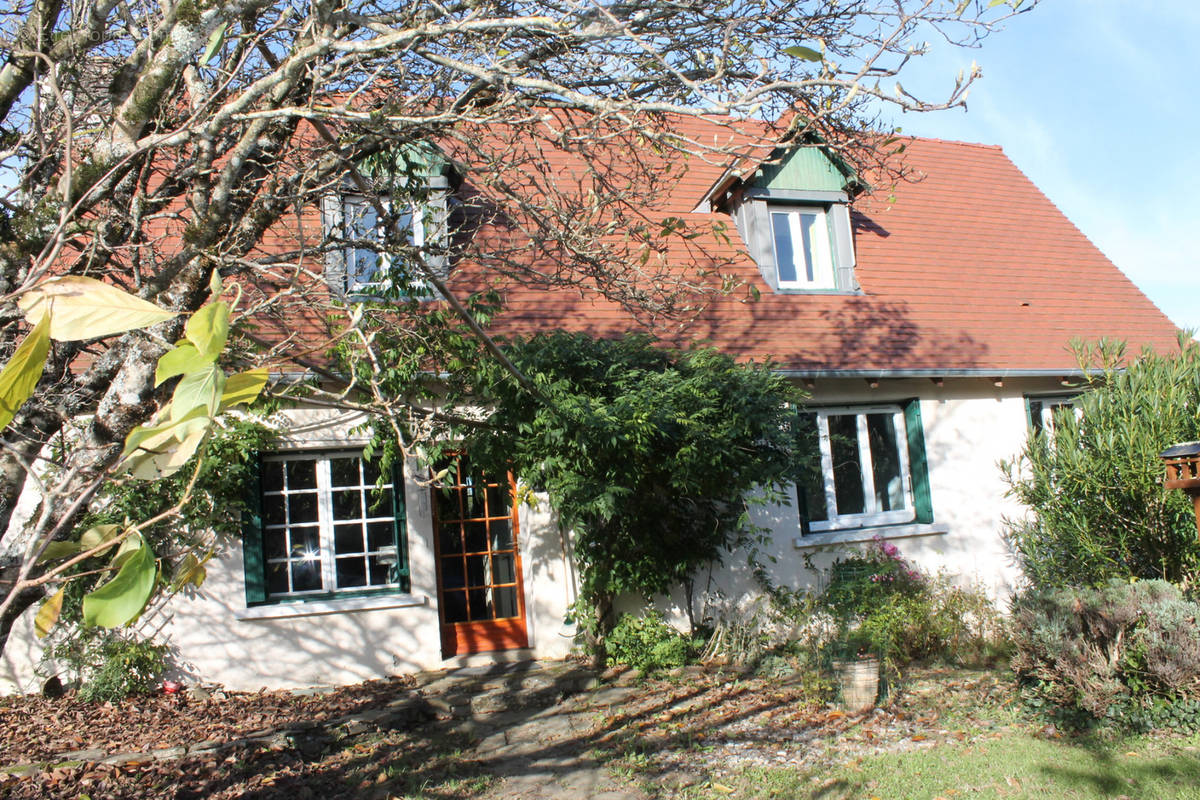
(209, 328)
(57, 550)
(180, 360)
(806, 53)
(201, 389)
(98, 535)
(85, 308)
(48, 614)
(243, 388)
(23, 370)
(214, 43)
(995, 3)
(121, 599)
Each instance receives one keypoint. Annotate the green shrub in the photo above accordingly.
(885, 606)
(1125, 652)
(649, 643)
(111, 666)
(1094, 487)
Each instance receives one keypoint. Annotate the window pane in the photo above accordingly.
(344, 471)
(473, 502)
(447, 503)
(274, 512)
(381, 572)
(272, 476)
(847, 471)
(812, 480)
(306, 576)
(302, 507)
(301, 474)
(885, 462)
(380, 534)
(275, 543)
(306, 542)
(347, 504)
(785, 261)
(379, 502)
(351, 572)
(370, 473)
(807, 232)
(277, 578)
(348, 538)
(498, 501)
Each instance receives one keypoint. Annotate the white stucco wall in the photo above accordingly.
(969, 426)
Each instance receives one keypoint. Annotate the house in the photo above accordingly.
(930, 326)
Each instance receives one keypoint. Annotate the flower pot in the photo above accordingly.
(858, 681)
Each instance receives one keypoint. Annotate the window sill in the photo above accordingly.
(299, 608)
(801, 290)
(858, 535)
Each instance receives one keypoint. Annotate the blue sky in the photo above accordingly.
(1097, 102)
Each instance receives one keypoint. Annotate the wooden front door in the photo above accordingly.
(481, 603)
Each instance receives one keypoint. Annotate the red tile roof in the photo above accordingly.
(969, 268)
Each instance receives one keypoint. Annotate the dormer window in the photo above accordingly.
(367, 265)
(803, 257)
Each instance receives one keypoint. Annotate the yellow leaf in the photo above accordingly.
(47, 615)
(720, 787)
(98, 535)
(243, 388)
(23, 370)
(159, 450)
(85, 308)
(208, 328)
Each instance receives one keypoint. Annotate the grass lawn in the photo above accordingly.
(1013, 765)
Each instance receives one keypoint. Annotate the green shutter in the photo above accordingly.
(252, 533)
(917, 463)
(400, 527)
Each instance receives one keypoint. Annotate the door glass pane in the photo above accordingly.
(847, 471)
(275, 543)
(306, 542)
(347, 504)
(498, 504)
(481, 604)
(274, 512)
(502, 569)
(454, 606)
(477, 536)
(380, 534)
(477, 570)
(453, 576)
(885, 462)
(506, 602)
(302, 507)
(272, 476)
(450, 539)
(447, 503)
(379, 502)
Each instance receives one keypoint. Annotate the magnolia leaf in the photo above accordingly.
(85, 308)
(806, 53)
(202, 389)
(214, 283)
(190, 570)
(57, 550)
(23, 370)
(214, 43)
(48, 614)
(243, 388)
(208, 328)
(94, 537)
(180, 360)
(121, 599)
(127, 548)
(158, 451)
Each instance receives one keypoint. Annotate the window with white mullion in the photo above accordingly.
(325, 500)
(864, 466)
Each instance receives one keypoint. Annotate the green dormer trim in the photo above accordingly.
(808, 168)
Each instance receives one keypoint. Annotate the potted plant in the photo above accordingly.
(856, 666)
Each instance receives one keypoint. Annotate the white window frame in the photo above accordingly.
(823, 269)
(327, 554)
(362, 204)
(872, 516)
(1050, 403)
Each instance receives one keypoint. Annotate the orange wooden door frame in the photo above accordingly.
(481, 597)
